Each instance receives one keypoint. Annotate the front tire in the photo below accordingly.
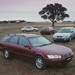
(34, 30)
(39, 63)
(70, 39)
(6, 54)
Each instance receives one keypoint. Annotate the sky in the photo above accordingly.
(28, 9)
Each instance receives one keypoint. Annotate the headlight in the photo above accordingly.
(54, 56)
(67, 36)
(72, 53)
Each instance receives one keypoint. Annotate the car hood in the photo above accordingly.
(62, 34)
(54, 49)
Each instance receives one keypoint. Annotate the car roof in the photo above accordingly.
(28, 26)
(47, 26)
(24, 34)
(67, 28)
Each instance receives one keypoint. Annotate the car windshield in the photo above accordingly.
(47, 28)
(64, 31)
(5, 37)
(39, 41)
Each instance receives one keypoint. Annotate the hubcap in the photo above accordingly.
(6, 54)
(39, 63)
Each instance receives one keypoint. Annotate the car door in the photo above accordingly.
(13, 44)
(73, 33)
(28, 28)
(22, 49)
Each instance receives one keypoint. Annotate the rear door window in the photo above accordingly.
(14, 40)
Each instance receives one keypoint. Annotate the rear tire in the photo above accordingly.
(39, 63)
(6, 54)
(42, 33)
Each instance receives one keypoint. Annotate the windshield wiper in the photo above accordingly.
(45, 44)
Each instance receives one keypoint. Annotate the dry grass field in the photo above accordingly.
(23, 66)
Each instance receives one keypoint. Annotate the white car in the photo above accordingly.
(64, 34)
(29, 28)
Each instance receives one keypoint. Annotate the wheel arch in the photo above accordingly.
(5, 48)
(39, 55)
(44, 62)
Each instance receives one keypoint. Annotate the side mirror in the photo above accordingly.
(27, 46)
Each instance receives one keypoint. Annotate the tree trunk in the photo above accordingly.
(52, 23)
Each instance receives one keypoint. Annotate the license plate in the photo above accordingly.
(69, 59)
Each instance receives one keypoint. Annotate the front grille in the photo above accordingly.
(59, 36)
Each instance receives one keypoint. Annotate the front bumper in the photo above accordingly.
(59, 61)
(61, 39)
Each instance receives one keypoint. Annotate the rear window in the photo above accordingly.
(28, 27)
(6, 37)
(14, 40)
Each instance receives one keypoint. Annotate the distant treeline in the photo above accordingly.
(68, 21)
(21, 21)
(13, 21)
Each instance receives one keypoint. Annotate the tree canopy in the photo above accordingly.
(54, 12)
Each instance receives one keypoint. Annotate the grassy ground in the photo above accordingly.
(22, 66)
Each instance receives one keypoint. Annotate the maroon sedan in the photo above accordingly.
(47, 30)
(37, 47)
